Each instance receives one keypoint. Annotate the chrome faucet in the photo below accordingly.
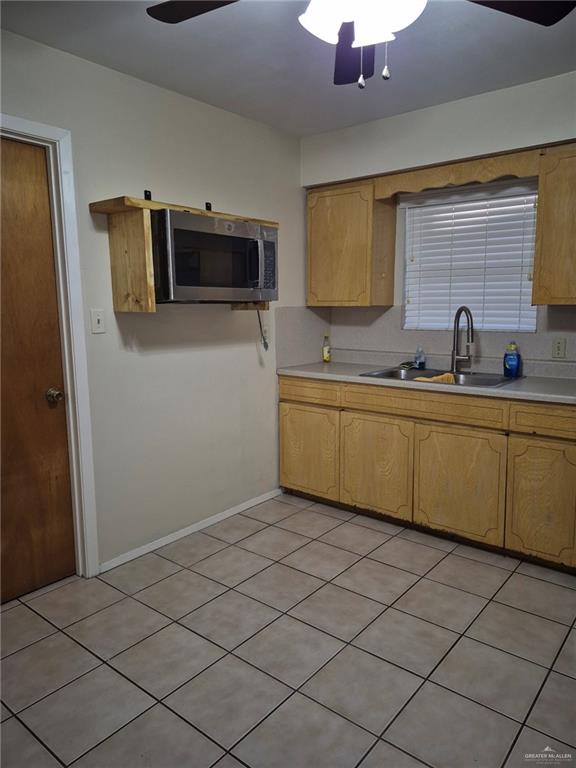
(456, 356)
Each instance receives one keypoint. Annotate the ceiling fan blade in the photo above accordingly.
(544, 12)
(351, 62)
(174, 11)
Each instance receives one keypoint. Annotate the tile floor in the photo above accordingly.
(294, 635)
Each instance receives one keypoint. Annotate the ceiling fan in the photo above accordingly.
(355, 58)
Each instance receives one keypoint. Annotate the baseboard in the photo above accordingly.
(145, 548)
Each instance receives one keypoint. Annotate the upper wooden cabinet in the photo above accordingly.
(351, 243)
(555, 257)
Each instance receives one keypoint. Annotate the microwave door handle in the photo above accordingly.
(170, 254)
(261, 263)
(254, 264)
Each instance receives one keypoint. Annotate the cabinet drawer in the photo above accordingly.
(460, 409)
(543, 419)
(309, 391)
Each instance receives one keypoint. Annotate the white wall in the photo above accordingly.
(183, 401)
(525, 115)
(534, 113)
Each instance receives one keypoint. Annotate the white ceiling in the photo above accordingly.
(254, 58)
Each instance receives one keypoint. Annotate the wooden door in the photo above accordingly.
(340, 246)
(555, 262)
(309, 449)
(37, 523)
(460, 481)
(376, 460)
(541, 500)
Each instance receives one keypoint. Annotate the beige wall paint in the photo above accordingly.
(534, 113)
(183, 401)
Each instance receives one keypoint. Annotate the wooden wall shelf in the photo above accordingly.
(125, 204)
(130, 240)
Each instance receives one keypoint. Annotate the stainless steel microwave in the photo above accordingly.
(207, 259)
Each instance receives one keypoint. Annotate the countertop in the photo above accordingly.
(540, 388)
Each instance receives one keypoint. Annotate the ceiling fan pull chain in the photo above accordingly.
(386, 71)
(361, 80)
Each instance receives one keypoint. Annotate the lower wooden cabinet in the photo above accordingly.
(376, 463)
(309, 449)
(507, 480)
(460, 481)
(541, 502)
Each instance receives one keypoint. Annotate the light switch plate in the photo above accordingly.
(97, 324)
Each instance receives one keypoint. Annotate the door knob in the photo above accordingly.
(54, 395)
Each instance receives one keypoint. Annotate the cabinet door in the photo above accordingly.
(309, 449)
(555, 263)
(376, 458)
(541, 503)
(339, 246)
(460, 481)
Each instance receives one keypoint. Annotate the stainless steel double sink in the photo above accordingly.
(460, 379)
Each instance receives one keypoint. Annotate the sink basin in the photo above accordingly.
(401, 373)
(461, 379)
(481, 379)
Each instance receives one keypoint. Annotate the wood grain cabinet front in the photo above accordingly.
(351, 241)
(541, 500)
(460, 481)
(554, 260)
(376, 460)
(309, 449)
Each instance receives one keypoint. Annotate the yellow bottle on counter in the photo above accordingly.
(326, 350)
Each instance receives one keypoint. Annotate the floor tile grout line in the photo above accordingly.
(46, 590)
(37, 738)
(25, 647)
(449, 650)
(59, 687)
(226, 652)
(345, 645)
(64, 630)
(534, 701)
(402, 749)
(88, 616)
(385, 607)
(286, 612)
(469, 543)
(431, 672)
(119, 672)
(189, 568)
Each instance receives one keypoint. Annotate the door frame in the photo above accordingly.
(58, 145)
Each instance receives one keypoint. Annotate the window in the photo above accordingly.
(475, 246)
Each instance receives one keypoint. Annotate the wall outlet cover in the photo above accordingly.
(97, 324)
(559, 349)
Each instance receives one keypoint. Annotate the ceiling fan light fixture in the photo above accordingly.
(375, 21)
(323, 19)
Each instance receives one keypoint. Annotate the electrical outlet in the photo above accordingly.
(97, 324)
(559, 349)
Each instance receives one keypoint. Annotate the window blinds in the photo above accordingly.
(474, 246)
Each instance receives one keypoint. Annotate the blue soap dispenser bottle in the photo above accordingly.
(512, 361)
